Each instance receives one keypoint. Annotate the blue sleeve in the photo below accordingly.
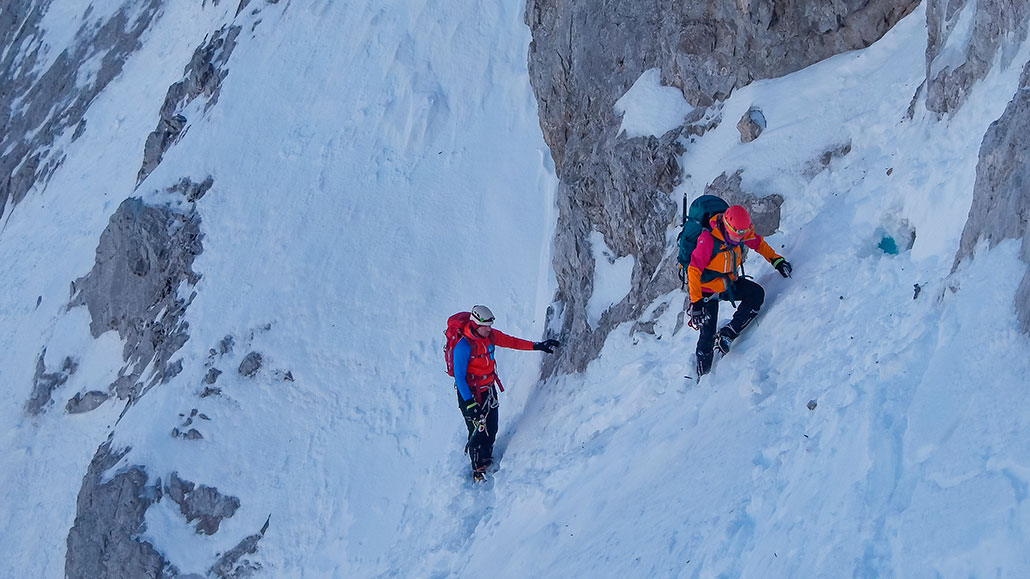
(462, 352)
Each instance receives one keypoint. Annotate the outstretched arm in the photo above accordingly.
(505, 341)
(759, 244)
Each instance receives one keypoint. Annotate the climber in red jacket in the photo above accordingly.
(471, 357)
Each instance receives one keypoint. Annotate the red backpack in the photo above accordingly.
(455, 326)
(455, 331)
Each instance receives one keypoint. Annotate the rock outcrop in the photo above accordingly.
(965, 40)
(751, 125)
(584, 56)
(202, 504)
(36, 106)
(140, 285)
(202, 77)
(103, 541)
(1001, 195)
(44, 384)
(110, 519)
(234, 564)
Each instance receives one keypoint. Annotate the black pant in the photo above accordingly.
(480, 445)
(751, 297)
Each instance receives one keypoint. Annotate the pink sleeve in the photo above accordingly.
(702, 254)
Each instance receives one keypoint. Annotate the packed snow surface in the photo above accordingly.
(650, 108)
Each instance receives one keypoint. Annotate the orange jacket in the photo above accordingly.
(716, 261)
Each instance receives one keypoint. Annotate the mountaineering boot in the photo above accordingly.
(699, 370)
(479, 475)
(724, 338)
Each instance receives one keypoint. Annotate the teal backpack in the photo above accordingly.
(695, 220)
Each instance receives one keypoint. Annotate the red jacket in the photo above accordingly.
(475, 374)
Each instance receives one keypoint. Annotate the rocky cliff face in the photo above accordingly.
(1001, 196)
(142, 280)
(966, 41)
(45, 96)
(585, 55)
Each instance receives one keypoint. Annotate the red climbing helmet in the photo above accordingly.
(736, 222)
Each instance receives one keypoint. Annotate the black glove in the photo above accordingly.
(782, 266)
(547, 345)
(471, 409)
(698, 315)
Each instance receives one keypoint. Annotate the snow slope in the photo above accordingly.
(378, 166)
(856, 430)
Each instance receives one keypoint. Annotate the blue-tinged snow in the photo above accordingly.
(378, 167)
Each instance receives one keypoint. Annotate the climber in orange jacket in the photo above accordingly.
(715, 274)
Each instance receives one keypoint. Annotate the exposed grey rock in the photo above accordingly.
(998, 27)
(44, 384)
(126, 387)
(36, 107)
(143, 261)
(212, 375)
(764, 211)
(835, 153)
(86, 402)
(202, 503)
(250, 365)
(226, 345)
(1001, 194)
(751, 125)
(585, 55)
(202, 77)
(191, 434)
(171, 370)
(648, 326)
(192, 191)
(105, 539)
(232, 565)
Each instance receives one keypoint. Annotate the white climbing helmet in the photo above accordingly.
(482, 316)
